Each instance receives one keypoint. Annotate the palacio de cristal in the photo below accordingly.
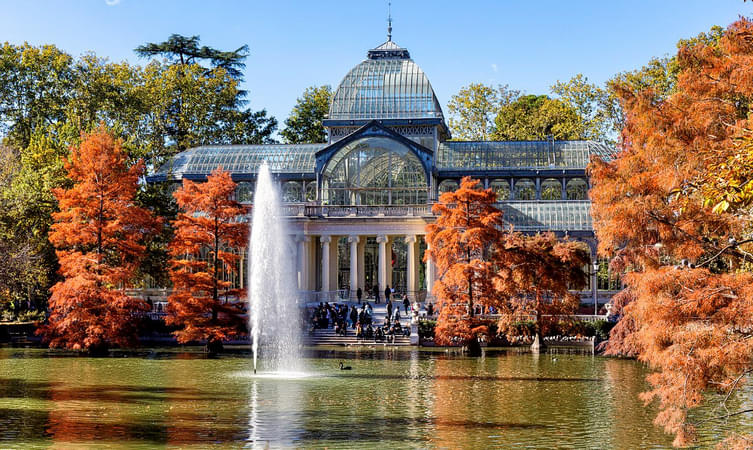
(358, 204)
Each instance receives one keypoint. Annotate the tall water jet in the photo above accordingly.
(275, 323)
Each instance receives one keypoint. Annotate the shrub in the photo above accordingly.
(426, 328)
(32, 316)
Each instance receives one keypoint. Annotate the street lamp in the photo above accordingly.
(596, 287)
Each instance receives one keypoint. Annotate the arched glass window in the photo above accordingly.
(577, 189)
(551, 189)
(374, 171)
(311, 191)
(244, 192)
(448, 186)
(525, 189)
(502, 189)
(291, 192)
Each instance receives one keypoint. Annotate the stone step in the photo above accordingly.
(329, 337)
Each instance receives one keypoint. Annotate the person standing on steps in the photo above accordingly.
(387, 293)
(353, 316)
(389, 309)
(406, 303)
(359, 295)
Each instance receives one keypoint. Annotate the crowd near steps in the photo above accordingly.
(328, 336)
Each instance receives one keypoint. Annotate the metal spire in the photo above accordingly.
(389, 21)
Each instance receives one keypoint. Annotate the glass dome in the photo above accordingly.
(387, 85)
(374, 171)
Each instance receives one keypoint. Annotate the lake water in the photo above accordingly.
(390, 399)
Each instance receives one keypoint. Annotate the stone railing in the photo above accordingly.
(356, 210)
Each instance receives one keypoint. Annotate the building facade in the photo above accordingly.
(357, 206)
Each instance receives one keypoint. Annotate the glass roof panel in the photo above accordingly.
(493, 155)
(243, 159)
(548, 215)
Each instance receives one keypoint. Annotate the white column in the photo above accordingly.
(302, 282)
(410, 241)
(361, 264)
(325, 240)
(388, 261)
(382, 240)
(353, 241)
(429, 272)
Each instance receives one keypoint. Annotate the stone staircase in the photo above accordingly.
(328, 336)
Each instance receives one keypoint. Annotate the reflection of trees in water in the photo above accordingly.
(95, 402)
(630, 420)
(208, 410)
(523, 400)
(630, 416)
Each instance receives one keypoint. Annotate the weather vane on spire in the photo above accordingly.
(389, 21)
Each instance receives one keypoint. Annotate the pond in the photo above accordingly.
(391, 398)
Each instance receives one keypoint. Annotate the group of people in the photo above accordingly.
(360, 319)
(340, 317)
(385, 332)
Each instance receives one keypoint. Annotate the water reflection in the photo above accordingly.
(389, 399)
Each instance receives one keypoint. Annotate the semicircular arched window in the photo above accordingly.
(502, 189)
(244, 192)
(291, 192)
(448, 186)
(525, 189)
(551, 189)
(374, 171)
(577, 189)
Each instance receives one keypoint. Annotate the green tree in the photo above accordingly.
(185, 50)
(473, 109)
(35, 85)
(593, 104)
(195, 104)
(536, 117)
(19, 260)
(304, 125)
(27, 207)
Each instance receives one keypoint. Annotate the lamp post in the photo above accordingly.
(596, 287)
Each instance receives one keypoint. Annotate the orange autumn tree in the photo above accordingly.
(539, 278)
(523, 277)
(97, 236)
(463, 243)
(209, 233)
(672, 212)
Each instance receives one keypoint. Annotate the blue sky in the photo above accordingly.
(294, 44)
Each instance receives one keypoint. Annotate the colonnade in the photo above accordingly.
(317, 260)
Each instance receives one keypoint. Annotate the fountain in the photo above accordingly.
(275, 324)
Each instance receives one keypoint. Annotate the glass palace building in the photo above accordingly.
(358, 205)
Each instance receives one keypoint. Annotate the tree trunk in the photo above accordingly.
(473, 347)
(98, 351)
(213, 346)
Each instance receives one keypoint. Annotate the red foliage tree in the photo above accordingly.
(210, 223)
(97, 237)
(462, 243)
(664, 211)
(538, 278)
(479, 263)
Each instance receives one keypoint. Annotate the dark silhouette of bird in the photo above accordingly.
(345, 367)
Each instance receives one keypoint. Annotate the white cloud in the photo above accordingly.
(494, 66)
(112, 2)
